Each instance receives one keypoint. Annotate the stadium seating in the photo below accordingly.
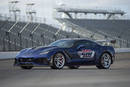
(17, 35)
(112, 28)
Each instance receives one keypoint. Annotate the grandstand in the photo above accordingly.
(16, 35)
(107, 28)
(18, 32)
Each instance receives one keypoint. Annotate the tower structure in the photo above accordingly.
(30, 12)
(14, 11)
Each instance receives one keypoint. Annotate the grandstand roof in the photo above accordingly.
(95, 11)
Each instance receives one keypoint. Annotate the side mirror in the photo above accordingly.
(80, 46)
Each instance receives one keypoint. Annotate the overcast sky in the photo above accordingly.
(44, 8)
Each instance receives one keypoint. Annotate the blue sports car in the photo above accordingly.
(73, 53)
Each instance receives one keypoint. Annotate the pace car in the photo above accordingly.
(69, 52)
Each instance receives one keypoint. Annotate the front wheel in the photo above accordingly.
(105, 61)
(58, 61)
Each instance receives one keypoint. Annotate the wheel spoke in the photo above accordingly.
(56, 60)
(106, 61)
(59, 61)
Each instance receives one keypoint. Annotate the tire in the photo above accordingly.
(73, 67)
(26, 67)
(58, 61)
(104, 61)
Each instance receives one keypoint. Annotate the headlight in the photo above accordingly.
(44, 52)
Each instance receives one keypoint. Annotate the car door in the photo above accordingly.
(84, 50)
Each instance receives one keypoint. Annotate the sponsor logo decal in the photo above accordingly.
(86, 53)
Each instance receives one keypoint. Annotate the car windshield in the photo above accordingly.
(63, 43)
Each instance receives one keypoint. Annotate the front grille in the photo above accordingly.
(37, 61)
(41, 61)
(25, 59)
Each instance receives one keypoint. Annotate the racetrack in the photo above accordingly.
(86, 76)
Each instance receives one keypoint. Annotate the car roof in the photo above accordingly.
(76, 39)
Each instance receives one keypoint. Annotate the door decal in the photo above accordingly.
(86, 53)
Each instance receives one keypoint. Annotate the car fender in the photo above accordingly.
(106, 49)
(59, 51)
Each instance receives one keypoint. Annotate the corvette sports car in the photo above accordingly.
(69, 52)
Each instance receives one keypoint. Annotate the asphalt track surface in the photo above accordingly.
(86, 76)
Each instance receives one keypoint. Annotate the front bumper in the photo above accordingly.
(31, 61)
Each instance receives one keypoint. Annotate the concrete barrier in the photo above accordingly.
(122, 50)
(10, 55)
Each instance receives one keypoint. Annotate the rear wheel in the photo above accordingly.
(73, 67)
(58, 61)
(26, 67)
(105, 61)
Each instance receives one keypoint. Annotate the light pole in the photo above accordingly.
(20, 39)
(3, 44)
(30, 12)
(120, 42)
(8, 37)
(13, 9)
(15, 44)
(31, 35)
(42, 36)
(54, 36)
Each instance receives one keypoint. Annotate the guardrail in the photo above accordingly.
(11, 55)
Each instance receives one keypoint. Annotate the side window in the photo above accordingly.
(93, 44)
(86, 43)
(79, 43)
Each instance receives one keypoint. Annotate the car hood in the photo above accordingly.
(37, 50)
(43, 48)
